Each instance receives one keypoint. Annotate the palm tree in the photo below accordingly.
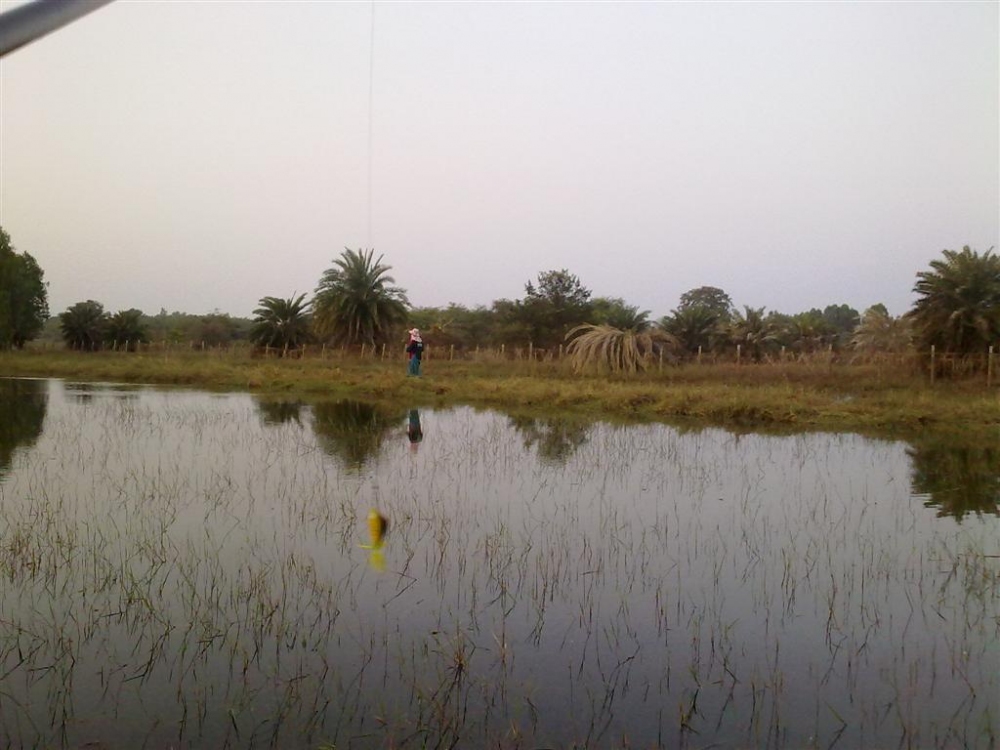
(281, 323)
(695, 327)
(602, 346)
(83, 325)
(355, 301)
(880, 332)
(959, 306)
(753, 331)
(126, 329)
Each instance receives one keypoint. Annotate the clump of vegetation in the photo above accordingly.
(619, 351)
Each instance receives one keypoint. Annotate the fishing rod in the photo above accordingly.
(26, 23)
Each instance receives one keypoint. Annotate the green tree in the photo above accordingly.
(958, 309)
(24, 306)
(126, 328)
(83, 325)
(710, 298)
(551, 308)
(694, 327)
(281, 323)
(613, 311)
(880, 332)
(753, 332)
(356, 301)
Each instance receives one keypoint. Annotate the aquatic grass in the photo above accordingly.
(650, 588)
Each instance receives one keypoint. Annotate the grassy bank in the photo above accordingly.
(792, 395)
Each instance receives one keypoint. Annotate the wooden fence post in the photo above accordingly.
(451, 352)
(739, 352)
(989, 368)
(932, 363)
(699, 354)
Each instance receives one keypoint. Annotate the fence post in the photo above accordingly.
(739, 352)
(502, 349)
(699, 354)
(451, 352)
(661, 359)
(932, 363)
(531, 354)
(989, 368)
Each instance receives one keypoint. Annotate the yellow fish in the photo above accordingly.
(378, 525)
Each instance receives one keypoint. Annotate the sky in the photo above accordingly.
(199, 155)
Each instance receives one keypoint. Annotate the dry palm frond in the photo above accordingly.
(602, 346)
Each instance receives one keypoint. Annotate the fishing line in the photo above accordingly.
(371, 95)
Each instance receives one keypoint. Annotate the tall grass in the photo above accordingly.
(807, 393)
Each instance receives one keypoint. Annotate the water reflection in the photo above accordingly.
(276, 412)
(351, 431)
(414, 430)
(22, 413)
(956, 479)
(556, 440)
(176, 573)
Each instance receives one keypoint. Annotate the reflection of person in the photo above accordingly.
(413, 430)
(416, 351)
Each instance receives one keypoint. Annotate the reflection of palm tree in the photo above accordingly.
(351, 431)
(555, 439)
(957, 479)
(23, 404)
(275, 412)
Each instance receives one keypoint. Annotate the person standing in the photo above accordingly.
(416, 351)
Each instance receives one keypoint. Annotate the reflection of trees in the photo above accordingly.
(351, 431)
(957, 479)
(554, 439)
(22, 411)
(276, 412)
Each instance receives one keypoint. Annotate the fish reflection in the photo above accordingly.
(378, 526)
(23, 404)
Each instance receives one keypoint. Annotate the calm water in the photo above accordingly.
(183, 569)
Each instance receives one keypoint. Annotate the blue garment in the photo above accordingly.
(416, 351)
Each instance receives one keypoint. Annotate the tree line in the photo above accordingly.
(357, 301)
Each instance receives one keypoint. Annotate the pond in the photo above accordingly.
(195, 570)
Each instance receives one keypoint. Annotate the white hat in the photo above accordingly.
(415, 332)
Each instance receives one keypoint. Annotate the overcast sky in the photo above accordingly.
(201, 155)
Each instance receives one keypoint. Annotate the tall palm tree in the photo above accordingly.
(125, 328)
(83, 325)
(959, 306)
(281, 323)
(356, 301)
